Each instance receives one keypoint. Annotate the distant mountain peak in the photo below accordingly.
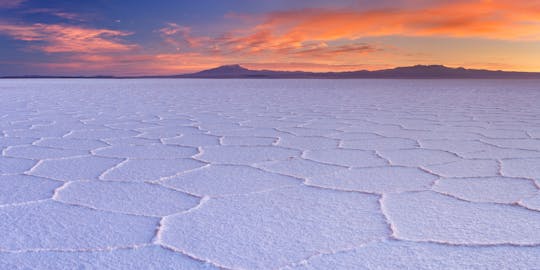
(231, 68)
(238, 66)
(224, 71)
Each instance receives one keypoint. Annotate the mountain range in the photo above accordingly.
(411, 72)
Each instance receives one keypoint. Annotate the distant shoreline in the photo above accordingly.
(253, 78)
(239, 72)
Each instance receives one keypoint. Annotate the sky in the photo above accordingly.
(125, 38)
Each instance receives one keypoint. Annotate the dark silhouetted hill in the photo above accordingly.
(412, 72)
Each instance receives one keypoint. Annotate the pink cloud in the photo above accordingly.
(180, 36)
(56, 38)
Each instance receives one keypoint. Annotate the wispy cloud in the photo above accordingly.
(10, 3)
(56, 38)
(240, 44)
(180, 36)
(54, 12)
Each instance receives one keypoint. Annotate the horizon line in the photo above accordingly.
(181, 75)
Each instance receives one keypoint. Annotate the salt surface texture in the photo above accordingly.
(269, 174)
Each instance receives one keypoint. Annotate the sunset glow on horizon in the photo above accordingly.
(174, 37)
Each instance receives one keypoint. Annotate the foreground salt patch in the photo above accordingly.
(130, 125)
(316, 122)
(301, 168)
(428, 216)
(532, 202)
(243, 155)
(53, 225)
(466, 168)
(432, 256)
(147, 151)
(281, 226)
(418, 157)
(246, 131)
(24, 188)
(379, 143)
(534, 133)
(246, 140)
(502, 153)
(87, 167)
(218, 180)
(172, 122)
(529, 168)
(10, 165)
(375, 180)
(306, 131)
(36, 133)
(346, 157)
(131, 198)
(247, 174)
(307, 142)
(194, 140)
(273, 121)
(145, 257)
(131, 141)
(355, 136)
(459, 147)
(12, 141)
(76, 144)
(529, 144)
(504, 134)
(487, 189)
(39, 152)
(101, 134)
(167, 132)
(140, 170)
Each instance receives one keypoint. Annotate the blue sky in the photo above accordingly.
(172, 37)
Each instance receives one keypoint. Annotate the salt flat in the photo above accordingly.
(269, 174)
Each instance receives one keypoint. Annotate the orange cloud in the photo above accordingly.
(330, 37)
(322, 49)
(264, 44)
(56, 38)
(496, 19)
